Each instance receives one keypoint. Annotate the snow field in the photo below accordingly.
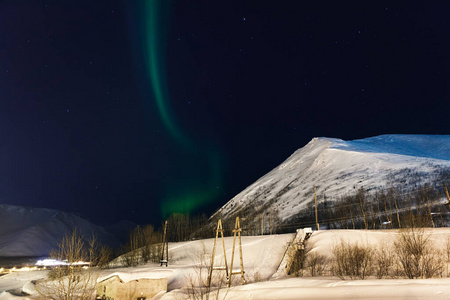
(261, 257)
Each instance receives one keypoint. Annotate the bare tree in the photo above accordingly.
(76, 279)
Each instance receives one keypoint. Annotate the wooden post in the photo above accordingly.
(165, 248)
(237, 230)
(262, 224)
(447, 205)
(315, 204)
(270, 223)
(219, 229)
(398, 215)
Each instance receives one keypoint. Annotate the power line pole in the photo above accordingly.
(212, 268)
(270, 223)
(447, 205)
(237, 230)
(315, 204)
(165, 247)
(262, 224)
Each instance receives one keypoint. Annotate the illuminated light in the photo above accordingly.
(23, 269)
(79, 263)
(48, 262)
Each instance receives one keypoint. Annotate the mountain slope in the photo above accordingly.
(337, 168)
(26, 231)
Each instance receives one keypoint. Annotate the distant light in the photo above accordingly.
(50, 262)
(78, 263)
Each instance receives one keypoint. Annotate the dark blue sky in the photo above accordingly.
(249, 81)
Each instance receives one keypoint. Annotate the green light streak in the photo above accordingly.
(185, 199)
(186, 202)
(156, 74)
(191, 198)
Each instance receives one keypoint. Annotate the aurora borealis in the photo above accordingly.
(196, 192)
(137, 109)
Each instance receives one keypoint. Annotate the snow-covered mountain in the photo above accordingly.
(26, 231)
(338, 168)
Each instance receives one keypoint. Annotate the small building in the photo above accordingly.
(114, 288)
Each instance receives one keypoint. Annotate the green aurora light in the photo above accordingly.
(188, 198)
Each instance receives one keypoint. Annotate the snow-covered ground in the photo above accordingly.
(262, 256)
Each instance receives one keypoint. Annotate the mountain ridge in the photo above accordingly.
(30, 231)
(338, 168)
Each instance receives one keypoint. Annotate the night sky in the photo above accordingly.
(138, 109)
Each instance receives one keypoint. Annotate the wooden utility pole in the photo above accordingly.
(315, 204)
(262, 224)
(270, 223)
(398, 215)
(212, 268)
(237, 230)
(165, 247)
(447, 205)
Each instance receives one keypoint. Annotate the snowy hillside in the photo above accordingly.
(26, 231)
(337, 168)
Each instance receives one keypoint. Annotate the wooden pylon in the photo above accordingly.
(165, 248)
(237, 230)
(212, 268)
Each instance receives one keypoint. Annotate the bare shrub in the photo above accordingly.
(315, 263)
(257, 277)
(352, 260)
(383, 261)
(74, 280)
(447, 254)
(417, 256)
(130, 259)
(102, 256)
(301, 258)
